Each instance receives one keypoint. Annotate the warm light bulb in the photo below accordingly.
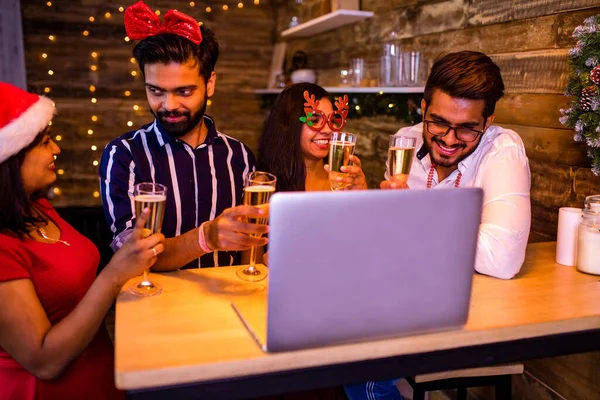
(50, 72)
(94, 68)
(192, 4)
(52, 38)
(381, 92)
(208, 9)
(121, 9)
(225, 7)
(50, 123)
(49, 4)
(95, 163)
(94, 148)
(44, 55)
(209, 102)
(133, 73)
(390, 105)
(85, 33)
(94, 54)
(129, 123)
(90, 131)
(94, 118)
(240, 5)
(56, 191)
(61, 171)
(107, 15)
(157, 12)
(92, 19)
(136, 107)
(257, 2)
(46, 90)
(58, 138)
(127, 93)
(132, 60)
(357, 108)
(96, 194)
(126, 38)
(94, 100)
(92, 88)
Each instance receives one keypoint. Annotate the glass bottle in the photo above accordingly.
(588, 244)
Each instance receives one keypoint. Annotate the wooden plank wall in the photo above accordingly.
(246, 39)
(529, 39)
(12, 58)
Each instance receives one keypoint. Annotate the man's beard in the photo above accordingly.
(442, 160)
(183, 127)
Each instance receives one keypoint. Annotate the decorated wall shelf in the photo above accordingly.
(327, 22)
(350, 89)
(399, 102)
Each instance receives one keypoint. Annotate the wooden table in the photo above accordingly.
(188, 341)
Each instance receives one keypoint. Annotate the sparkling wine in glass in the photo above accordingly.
(400, 158)
(341, 147)
(153, 196)
(258, 188)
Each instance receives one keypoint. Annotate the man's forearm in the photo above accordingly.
(179, 251)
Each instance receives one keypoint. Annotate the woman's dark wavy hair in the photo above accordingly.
(467, 75)
(16, 205)
(279, 149)
(167, 48)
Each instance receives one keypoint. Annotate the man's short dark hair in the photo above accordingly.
(168, 48)
(467, 75)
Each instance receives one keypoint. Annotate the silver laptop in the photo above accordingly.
(363, 265)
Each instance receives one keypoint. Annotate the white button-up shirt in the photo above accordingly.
(500, 167)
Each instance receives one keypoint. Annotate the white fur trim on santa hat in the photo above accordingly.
(20, 132)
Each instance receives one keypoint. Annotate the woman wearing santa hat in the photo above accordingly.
(53, 344)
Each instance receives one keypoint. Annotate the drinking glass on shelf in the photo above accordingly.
(341, 147)
(411, 68)
(258, 188)
(356, 72)
(153, 196)
(400, 157)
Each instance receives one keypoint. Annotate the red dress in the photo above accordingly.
(61, 276)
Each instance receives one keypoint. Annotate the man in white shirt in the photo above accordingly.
(457, 146)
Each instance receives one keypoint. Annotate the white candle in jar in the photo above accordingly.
(588, 252)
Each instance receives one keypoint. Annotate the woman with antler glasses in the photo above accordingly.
(295, 140)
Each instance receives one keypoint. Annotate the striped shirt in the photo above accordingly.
(201, 182)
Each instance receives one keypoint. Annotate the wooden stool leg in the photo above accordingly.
(504, 388)
(461, 393)
(418, 393)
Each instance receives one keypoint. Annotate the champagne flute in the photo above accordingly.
(258, 188)
(341, 147)
(153, 196)
(400, 157)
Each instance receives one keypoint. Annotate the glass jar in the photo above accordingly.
(588, 244)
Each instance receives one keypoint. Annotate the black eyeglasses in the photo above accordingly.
(462, 133)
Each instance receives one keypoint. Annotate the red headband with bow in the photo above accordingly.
(141, 22)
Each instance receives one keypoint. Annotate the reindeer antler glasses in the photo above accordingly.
(316, 120)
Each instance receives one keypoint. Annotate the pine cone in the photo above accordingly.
(595, 75)
(587, 94)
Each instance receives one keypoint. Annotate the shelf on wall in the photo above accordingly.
(350, 89)
(326, 23)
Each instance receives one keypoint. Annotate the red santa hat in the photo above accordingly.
(23, 116)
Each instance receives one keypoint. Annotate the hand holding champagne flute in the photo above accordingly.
(400, 158)
(259, 187)
(341, 147)
(153, 196)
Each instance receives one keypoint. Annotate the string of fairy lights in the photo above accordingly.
(194, 9)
